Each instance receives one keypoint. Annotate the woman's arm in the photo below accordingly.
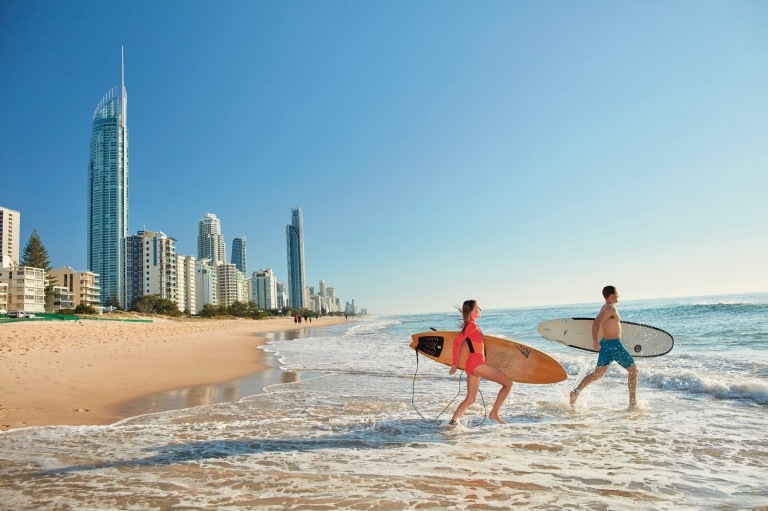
(463, 335)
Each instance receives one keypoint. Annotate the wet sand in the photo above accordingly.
(87, 373)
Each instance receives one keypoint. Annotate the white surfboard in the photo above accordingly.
(640, 340)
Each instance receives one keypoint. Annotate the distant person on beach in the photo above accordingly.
(476, 366)
(609, 348)
(345, 317)
(295, 319)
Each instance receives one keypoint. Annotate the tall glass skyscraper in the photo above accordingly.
(108, 190)
(238, 254)
(294, 234)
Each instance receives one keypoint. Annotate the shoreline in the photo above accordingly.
(70, 373)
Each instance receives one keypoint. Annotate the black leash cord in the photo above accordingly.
(413, 396)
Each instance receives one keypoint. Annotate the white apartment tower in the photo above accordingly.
(10, 222)
(210, 242)
(264, 289)
(186, 296)
(206, 288)
(282, 295)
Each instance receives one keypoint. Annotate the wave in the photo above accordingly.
(372, 327)
(751, 389)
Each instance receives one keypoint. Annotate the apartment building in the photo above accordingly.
(186, 295)
(264, 289)
(10, 225)
(149, 267)
(84, 285)
(228, 283)
(26, 288)
(3, 295)
(206, 288)
(59, 298)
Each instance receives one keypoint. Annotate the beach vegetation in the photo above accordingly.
(156, 304)
(84, 308)
(113, 301)
(238, 309)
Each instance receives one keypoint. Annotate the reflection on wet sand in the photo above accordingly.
(223, 392)
(303, 333)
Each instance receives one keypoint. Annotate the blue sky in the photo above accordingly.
(518, 153)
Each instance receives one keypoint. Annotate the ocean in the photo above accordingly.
(347, 435)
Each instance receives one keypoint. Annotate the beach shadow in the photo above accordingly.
(382, 435)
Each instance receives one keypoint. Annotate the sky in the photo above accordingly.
(517, 153)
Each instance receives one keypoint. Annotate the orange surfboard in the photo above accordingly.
(520, 362)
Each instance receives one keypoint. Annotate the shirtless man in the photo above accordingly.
(609, 348)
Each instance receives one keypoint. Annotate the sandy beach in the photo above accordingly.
(76, 373)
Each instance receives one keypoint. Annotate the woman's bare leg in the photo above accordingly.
(493, 374)
(473, 385)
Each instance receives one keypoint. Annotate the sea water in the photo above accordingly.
(352, 438)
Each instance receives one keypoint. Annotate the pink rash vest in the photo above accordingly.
(471, 332)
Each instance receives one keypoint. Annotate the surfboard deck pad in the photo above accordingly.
(521, 363)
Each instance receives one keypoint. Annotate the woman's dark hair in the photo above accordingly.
(465, 309)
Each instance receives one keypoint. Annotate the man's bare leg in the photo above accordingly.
(632, 383)
(592, 377)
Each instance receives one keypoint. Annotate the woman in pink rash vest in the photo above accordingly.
(476, 367)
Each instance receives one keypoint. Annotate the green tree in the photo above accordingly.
(36, 255)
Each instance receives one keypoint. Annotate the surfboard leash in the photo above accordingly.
(413, 396)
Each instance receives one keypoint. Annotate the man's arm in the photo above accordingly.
(604, 314)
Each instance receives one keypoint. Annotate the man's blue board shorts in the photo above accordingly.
(612, 349)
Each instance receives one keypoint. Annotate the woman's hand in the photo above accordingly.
(453, 370)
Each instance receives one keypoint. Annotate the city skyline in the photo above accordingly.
(533, 132)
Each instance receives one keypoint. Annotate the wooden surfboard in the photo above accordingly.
(640, 340)
(520, 362)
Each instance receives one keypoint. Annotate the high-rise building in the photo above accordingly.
(322, 289)
(149, 267)
(108, 190)
(210, 242)
(282, 296)
(238, 254)
(206, 288)
(294, 234)
(264, 289)
(83, 284)
(229, 285)
(186, 296)
(10, 225)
